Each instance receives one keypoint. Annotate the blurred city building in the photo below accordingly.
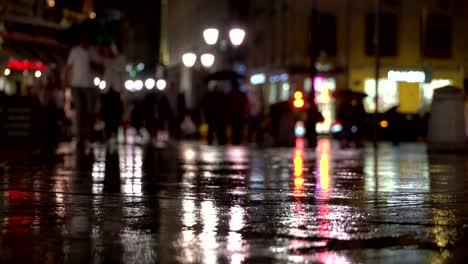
(422, 45)
(30, 39)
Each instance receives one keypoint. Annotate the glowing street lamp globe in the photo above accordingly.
(237, 36)
(189, 59)
(207, 60)
(211, 36)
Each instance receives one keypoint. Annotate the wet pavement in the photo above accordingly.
(190, 203)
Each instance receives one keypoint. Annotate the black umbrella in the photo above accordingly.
(225, 75)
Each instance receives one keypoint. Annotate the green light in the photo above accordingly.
(133, 74)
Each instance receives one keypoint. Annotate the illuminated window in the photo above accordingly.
(388, 95)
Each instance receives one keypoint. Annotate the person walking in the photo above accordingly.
(213, 103)
(313, 117)
(255, 114)
(84, 95)
(112, 106)
(237, 106)
(157, 113)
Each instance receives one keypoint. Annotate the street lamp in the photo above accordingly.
(161, 84)
(189, 59)
(207, 60)
(211, 36)
(138, 85)
(237, 36)
(150, 83)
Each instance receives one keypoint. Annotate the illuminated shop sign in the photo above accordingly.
(279, 78)
(25, 65)
(407, 76)
(257, 79)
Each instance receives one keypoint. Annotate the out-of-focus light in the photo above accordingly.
(298, 95)
(150, 83)
(189, 155)
(319, 83)
(97, 81)
(324, 97)
(51, 3)
(207, 60)
(407, 76)
(299, 129)
(337, 127)
(211, 36)
(299, 181)
(257, 79)
(92, 15)
(189, 59)
(138, 85)
(7, 72)
(128, 68)
(237, 36)
(38, 74)
(140, 66)
(102, 85)
(384, 124)
(299, 103)
(129, 85)
(161, 84)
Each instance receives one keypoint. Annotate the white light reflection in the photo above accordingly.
(208, 236)
(98, 172)
(235, 242)
(132, 172)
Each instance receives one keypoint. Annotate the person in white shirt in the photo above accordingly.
(79, 75)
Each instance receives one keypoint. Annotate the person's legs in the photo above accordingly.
(211, 132)
(221, 131)
(237, 127)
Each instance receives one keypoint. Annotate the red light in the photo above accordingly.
(25, 65)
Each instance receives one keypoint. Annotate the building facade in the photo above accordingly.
(422, 47)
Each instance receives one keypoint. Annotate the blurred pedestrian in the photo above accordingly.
(237, 108)
(51, 97)
(112, 107)
(255, 113)
(179, 110)
(157, 113)
(214, 103)
(313, 117)
(84, 95)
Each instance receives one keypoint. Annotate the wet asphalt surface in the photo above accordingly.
(190, 203)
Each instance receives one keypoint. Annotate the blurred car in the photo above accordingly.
(392, 126)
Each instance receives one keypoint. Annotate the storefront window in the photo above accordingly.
(428, 89)
(273, 93)
(285, 89)
(388, 95)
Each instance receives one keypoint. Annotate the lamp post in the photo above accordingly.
(211, 37)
